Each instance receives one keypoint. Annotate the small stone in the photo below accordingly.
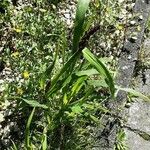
(133, 22)
(140, 18)
(129, 57)
(125, 67)
(133, 39)
(128, 105)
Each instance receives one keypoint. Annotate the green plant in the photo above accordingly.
(67, 88)
(64, 100)
(79, 23)
(120, 141)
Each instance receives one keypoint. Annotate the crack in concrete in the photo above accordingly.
(142, 134)
(125, 77)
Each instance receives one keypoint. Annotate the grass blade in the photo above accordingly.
(79, 22)
(44, 140)
(14, 146)
(88, 72)
(98, 83)
(27, 131)
(100, 67)
(34, 103)
(67, 68)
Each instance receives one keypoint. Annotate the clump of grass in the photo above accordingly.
(65, 98)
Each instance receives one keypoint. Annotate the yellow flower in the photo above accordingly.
(18, 30)
(15, 54)
(19, 91)
(120, 27)
(25, 74)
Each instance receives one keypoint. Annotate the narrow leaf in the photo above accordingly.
(27, 131)
(14, 146)
(82, 7)
(78, 84)
(34, 103)
(44, 140)
(100, 67)
(67, 68)
(88, 72)
(97, 83)
(47, 74)
(134, 92)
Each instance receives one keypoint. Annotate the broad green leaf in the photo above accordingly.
(34, 103)
(133, 92)
(82, 7)
(78, 84)
(27, 131)
(66, 82)
(88, 72)
(66, 67)
(97, 83)
(76, 109)
(100, 67)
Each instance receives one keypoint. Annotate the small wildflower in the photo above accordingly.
(19, 91)
(120, 27)
(25, 74)
(18, 30)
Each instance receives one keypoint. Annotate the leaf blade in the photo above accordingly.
(82, 7)
(100, 67)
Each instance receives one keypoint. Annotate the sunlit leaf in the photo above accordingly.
(76, 109)
(14, 146)
(65, 99)
(27, 131)
(44, 139)
(67, 68)
(100, 67)
(34, 103)
(82, 7)
(97, 83)
(78, 84)
(88, 72)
